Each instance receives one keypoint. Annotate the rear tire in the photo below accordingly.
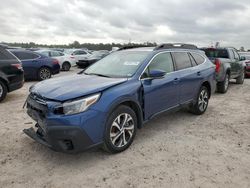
(3, 91)
(240, 79)
(202, 100)
(222, 87)
(44, 73)
(66, 66)
(120, 130)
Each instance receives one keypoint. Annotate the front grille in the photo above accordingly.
(37, 104)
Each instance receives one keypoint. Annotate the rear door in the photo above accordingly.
(160, 94)
(190, 76)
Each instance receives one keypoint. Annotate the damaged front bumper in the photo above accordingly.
(61, 138)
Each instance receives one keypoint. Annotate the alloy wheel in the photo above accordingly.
(122, 130)
(45, 74)
(203, 100)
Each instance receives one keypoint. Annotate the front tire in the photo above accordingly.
(3, 91)
(44, 73)
(120, 130)
(222, 87)
(202, 100)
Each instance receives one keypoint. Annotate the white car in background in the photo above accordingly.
(66, 61)
(79, 54)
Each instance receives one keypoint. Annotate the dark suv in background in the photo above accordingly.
(11, 73)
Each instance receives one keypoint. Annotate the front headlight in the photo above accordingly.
(78, 106)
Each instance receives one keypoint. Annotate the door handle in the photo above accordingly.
(198, 73)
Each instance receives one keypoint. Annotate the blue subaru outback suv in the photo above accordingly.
(106, 103)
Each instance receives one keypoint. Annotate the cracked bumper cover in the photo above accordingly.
(66, 139)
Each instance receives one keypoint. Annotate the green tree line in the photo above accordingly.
(76, 44)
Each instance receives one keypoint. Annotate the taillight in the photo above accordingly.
(55, 62)
(17, 65)
(217, 65)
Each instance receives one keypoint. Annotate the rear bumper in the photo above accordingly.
(65, 139)
(56, 69)
(15, 86)
(15, 82)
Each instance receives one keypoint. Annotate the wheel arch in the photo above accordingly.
(208, 86)
(134, 106)
(5, 82)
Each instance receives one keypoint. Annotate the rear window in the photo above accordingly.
(216, 53)
(5, 55)
(182, 60)
(25, 55)
(198, 58)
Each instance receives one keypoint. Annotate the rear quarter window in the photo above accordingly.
(198, 58)
(5, 55)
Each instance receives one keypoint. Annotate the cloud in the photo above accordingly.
(61, 21)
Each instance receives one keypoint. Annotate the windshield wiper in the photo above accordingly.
(96, 74)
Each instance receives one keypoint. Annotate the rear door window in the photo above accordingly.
(182, 60)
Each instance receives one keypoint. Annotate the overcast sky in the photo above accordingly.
(63, 21)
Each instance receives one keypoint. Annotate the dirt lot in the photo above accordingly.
(173, 150)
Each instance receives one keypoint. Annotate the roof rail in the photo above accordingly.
(175, 45)
(131, 47)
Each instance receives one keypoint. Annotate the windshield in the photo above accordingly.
(216, 53)
(118, 64)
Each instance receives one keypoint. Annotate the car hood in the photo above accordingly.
(71, 87)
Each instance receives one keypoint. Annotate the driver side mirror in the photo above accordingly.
(156, 74)
(242, 58)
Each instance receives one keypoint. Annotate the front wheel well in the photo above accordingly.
(208, 86)
(135, 107)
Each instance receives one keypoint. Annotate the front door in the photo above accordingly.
(162, 93)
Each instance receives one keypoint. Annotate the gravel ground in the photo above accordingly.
(173, 150)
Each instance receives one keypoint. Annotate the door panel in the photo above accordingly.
(160, 94)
